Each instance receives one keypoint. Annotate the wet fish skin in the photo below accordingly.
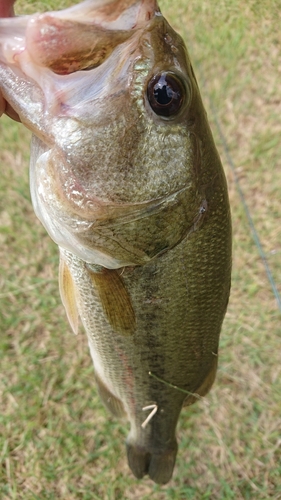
(138, 205)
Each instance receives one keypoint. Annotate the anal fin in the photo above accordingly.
(113, 404)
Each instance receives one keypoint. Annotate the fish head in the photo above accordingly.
(109, 91)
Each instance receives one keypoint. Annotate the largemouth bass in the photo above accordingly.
(126, 179)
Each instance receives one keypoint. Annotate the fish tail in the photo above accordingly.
(151, 444)
(159, 465)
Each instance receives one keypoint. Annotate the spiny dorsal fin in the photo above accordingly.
(68, 295)
(115, 300)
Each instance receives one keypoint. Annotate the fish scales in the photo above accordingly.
(126, 179)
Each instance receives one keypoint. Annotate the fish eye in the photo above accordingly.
(166, 94)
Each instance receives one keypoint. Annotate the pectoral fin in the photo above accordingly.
(115, 300)
(68, 295)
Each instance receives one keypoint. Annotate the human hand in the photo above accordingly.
(7, 10)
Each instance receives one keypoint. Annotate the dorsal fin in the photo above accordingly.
(206, 385)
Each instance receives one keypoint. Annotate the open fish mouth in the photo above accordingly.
(53, 42)
(46, 47)
(78, 38)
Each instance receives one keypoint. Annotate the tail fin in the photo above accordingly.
(158, 465)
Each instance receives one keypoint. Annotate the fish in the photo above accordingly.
(126, 178)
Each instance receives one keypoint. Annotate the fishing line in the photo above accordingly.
(241, 193)
(194, 394)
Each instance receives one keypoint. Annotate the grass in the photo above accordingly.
(56, 440)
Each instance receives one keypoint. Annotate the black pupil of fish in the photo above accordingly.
(165, 94)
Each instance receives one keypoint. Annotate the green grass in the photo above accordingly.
(56, 440)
